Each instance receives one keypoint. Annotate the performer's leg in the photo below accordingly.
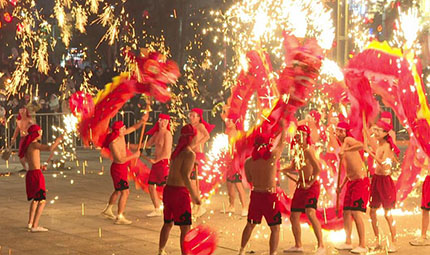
(33, 207)
(357, 215)
(164, 235)
(184, 231)
(154, 196)
(391, 224)
(310, 212)
(375, 226)
(274, 238)
(425, 223)
(123, 201)
(39, 210)
(231, 196)
(246, 234)
(347, 224)
(242, 196)
(295, 227)
(114, 197)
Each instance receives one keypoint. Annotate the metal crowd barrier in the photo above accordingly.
(48, 120)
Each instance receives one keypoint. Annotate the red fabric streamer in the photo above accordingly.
(188, 132)
(156, 127)
(81, 104)
(33, 134)
(208, 126)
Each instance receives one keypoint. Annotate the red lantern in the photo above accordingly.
(7, 17)
(200, 240)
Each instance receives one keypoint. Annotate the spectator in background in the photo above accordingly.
(54, 103)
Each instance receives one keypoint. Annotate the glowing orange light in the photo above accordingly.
(7, 17)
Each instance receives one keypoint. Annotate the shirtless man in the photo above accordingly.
(203, 129)
(234, 178)
(425, 206)
(115, 141)
(306, 195)
(357, 190)
(176, 194)
(162, 140)
(382, 189)
(34, 180)
(23, 122)
(261, 172)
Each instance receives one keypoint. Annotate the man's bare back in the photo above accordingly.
(261, 173)
(180, 169)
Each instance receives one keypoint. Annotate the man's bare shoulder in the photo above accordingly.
(248, 162)
(349, 139)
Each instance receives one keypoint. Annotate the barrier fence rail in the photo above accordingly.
(48, 120)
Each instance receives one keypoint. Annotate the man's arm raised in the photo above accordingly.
(137, 125)
(352, 145)
(45, 147)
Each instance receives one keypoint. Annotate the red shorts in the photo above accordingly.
(264, 204)
(177, 205)
(382, 192)
(356, 195)
(305, 198)
(119, 175)
(159, 173)
(425, 199)
(35, 185)
(200, 161)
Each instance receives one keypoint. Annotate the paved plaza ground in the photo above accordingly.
(75, 201)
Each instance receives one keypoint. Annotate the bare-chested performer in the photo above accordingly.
(23, 122)
(234, 178)
(357, 187)
(382, 188)
(203, 129)
(261, 172)
(423, 240)
(306, 195)
(176, 194)
(162, 140)
(34, 180)
(115, 141)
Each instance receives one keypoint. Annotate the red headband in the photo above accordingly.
(33, 134)
(387, 115)
(384, 125)
(344, 125)
(156, 127)
(262, 146)
(188, 132)
(116, 126)
(208, 126)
